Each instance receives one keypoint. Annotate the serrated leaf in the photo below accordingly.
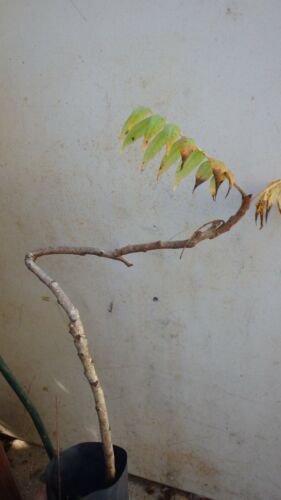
(221, 173)
(165, 137)
(203, 173)
(155, 123)
(267, 198)
(136, 116)
(193, 161)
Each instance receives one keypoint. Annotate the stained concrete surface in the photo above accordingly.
(29, 461)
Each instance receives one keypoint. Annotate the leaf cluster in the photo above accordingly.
(179, 150)
(183, 152)
(267, 198)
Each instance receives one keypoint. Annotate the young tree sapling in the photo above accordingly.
(180, 150)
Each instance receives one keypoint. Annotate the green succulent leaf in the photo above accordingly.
(193, 161)
(136, 116)
(166, 136)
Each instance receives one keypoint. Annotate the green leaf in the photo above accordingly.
(136, 116)
(146, 128)
(155, 123)
(193, 161)
(181, 149)
(203, 173)
(166, 136)
(136, 132)
(170, 158)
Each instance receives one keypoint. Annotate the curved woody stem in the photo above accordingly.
(211, 230)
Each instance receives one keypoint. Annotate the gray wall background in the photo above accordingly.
(192, 380)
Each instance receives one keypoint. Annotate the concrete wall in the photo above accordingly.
(193, 379)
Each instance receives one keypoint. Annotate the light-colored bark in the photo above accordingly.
(76, 329)
(211, 230)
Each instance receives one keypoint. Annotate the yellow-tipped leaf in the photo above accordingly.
(178, 151)
(155, 123)
(221, 173)
(136, 116)
(193, 161)
(183, 151)
(165, 137)
(203, 173)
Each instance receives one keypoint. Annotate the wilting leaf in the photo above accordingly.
(267, 198)
(136, 116)
(203, 173)
(155, 123)
(187, 146)
(221, 173)
(194, 160)
(157, 134)
(179, 150)
(166, 136)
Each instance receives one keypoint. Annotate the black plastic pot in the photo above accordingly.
(82, 475)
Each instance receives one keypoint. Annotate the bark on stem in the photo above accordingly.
(211, 230)
(76, 329)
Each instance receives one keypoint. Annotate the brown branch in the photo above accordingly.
(215, 229)
(211, 230)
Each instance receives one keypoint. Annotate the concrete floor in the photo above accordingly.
(28, 463)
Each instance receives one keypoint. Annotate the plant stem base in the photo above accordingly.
(82, 475)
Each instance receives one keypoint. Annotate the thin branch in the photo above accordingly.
(211, 230)
(240, 190)
(215, 229)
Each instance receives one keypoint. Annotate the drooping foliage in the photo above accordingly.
(267, 198)
(178, 150)
(182, 152)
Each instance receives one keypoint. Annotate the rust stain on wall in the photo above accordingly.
(200, 466)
